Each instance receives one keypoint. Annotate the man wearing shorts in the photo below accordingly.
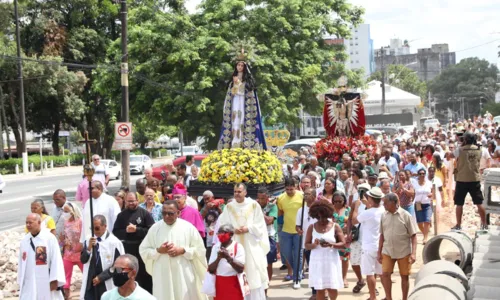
(370, 221)
(468, 179)
(398, 243)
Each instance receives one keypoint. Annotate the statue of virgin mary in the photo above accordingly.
(242, 122)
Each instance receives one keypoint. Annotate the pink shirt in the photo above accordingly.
(71, 240)
(82, 192)
(193, 216)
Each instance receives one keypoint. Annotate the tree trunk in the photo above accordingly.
(55, 138)
(143, 145)
(15, 125)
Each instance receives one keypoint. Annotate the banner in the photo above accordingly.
(389, 120)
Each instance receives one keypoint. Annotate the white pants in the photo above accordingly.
(369, 263)
(356, 253)
(257, 294)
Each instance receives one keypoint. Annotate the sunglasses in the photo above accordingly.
(97, 228)
(421, 174)
(168, 213)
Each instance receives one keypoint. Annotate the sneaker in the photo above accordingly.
(484, 227)
(296, 285)
(283, 267)
(456, 228)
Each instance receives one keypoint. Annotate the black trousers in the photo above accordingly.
(307, 254)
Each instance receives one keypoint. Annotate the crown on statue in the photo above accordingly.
(242, 56)
(276, 137)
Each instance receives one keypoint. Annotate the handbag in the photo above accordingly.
(208, 286)
(355, 232)
(242, 277)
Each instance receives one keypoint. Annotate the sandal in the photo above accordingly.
(358, 287)
(288, 278)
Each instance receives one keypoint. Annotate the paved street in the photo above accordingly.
(22, 190)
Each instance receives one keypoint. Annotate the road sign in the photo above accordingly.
(123, 136)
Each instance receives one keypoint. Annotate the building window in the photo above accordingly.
(357, 61)
(356, 44)
(352, 61)
(356, 38)
(357, 52)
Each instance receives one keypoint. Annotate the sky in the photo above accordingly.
(462, 24)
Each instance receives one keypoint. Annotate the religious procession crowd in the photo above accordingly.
(162, 243)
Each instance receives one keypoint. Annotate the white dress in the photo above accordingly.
(238, 114)
(325, 269)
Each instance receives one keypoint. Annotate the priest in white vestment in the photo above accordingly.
(174, 255)
(245, 214)
(40, 272)
(103, 204)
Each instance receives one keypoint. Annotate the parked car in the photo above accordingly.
(434, 123)
(180, 160)
(375, 134)
(138, 163)
(189, 150)
(114, 169)
(297, 144)
(496, 119)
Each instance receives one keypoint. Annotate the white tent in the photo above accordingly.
(396, 100)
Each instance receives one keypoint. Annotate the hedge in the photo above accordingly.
(9, 166)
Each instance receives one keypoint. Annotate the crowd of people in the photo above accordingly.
(161, 242)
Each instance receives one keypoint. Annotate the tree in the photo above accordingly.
(402, 78)
(183, 79)
(52, 95)
(472, 81)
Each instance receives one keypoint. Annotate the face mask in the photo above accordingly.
(224, 237)
(66, 216)
(119, 279)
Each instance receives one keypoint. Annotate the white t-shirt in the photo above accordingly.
(101, 171)
(224, 268)
(439, 183)
(421, 191)
(306, 222)
(485, 155)
(370, 222)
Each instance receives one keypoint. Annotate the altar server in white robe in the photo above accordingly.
(40, 273)
(245, 214)
(174, 255)
(96, 272)
(102, 204)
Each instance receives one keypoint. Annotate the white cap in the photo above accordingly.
(383, 175)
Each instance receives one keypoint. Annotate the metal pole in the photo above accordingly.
(124, 80)
(297, 275)
(181, 138)
(41, 156)
(382, 52)
(21, 93)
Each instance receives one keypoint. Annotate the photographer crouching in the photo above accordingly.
(468, 178)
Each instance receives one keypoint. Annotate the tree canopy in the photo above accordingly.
(472, 80)
(180, 63)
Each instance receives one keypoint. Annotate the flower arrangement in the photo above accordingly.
(241, 165)
(331, 149)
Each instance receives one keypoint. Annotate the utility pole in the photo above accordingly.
(21, 93)
(124, 80)
(382, 85)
